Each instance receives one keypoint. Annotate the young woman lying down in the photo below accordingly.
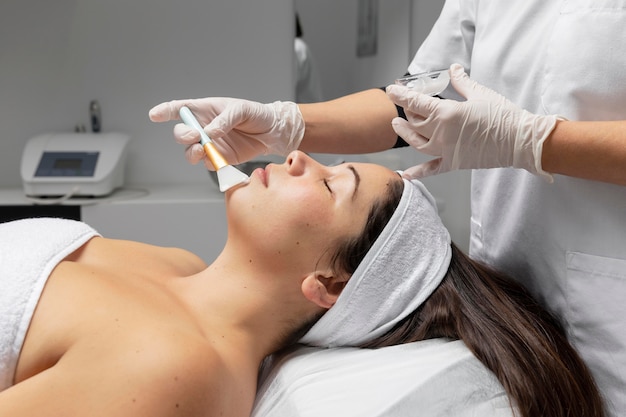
(349, 255)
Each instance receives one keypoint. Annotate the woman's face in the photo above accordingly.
(295, 211)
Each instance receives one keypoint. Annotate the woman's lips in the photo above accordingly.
(261, 174)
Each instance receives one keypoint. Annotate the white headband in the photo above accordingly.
(400, 271)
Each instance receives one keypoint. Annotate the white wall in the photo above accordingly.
(57, 56)
(330, 29)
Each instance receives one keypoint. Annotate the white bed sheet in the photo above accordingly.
(429, 378)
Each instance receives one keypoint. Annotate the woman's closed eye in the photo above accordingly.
(340, 182)
(327, 184)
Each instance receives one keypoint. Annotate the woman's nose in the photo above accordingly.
(298, 162)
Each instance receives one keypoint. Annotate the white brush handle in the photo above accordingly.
(190, 120)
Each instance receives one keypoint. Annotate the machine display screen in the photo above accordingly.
(75, 164)
(67, 164)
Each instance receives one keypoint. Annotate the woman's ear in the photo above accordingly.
(323, 288)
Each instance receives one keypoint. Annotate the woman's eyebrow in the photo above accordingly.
(357, 180)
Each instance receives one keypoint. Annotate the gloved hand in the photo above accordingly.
(486, 131)
(240, 129)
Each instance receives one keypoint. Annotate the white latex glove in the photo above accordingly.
(240, 129)
(486, 131)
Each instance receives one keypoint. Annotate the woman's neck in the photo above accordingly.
(244, 304)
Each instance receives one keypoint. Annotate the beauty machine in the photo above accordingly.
(74, 164)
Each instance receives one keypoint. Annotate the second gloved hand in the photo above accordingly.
(240, 129)
(486, 131)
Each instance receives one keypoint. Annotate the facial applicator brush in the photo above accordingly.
(227, 175)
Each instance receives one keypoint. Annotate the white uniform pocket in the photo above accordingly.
(596, 295)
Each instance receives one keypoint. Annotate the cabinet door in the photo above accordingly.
(199, 227)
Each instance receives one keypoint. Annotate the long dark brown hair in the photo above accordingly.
(511, 334)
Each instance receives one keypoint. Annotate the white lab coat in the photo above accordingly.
(566, 241)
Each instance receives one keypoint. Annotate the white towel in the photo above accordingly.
(434, 378)
(404, 266)
(29, 251)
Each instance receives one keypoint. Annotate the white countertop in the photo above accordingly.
(132, 194)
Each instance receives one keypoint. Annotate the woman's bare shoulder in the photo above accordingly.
(188, 378)
(160, 377)
(180, 376)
